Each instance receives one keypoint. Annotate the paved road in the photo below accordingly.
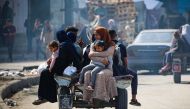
(155, 92)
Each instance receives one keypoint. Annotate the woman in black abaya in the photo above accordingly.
(67, 55)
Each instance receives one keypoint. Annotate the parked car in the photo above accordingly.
(148, 49)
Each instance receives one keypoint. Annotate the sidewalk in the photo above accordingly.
(20, 65)
(12, 83)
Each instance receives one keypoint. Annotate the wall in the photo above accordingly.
(57, 13)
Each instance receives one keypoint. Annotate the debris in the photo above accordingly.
(3, 73)
(10, 102)
(26, 89)
(11, 73)
(32, 73)
(21, 74)
(41, 67)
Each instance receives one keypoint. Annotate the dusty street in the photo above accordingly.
(155, 92)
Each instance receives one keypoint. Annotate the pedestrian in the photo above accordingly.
(7, 12)
(9, 32)
(47, 35)
(112, 25)
(28, 27)
(120, 66)
(37, 34)
(101, 11)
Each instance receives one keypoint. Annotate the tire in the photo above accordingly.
(177, 77)
(122, 99)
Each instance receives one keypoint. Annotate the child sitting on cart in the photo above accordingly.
(53, 47)
(95, 66)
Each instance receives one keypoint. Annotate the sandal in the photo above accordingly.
(39, 101)
(135, 102)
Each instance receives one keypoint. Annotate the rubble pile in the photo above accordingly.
(11, 73)
(15, 74)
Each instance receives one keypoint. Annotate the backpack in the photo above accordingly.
(118, 65)
(117, 54)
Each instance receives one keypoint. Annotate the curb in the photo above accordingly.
(20, 66)
(14, 86)
(29, 67)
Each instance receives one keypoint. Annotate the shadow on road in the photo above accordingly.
(185, 82)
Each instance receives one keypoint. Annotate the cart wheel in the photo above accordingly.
(122, 99)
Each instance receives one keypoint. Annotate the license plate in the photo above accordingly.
(176, 66)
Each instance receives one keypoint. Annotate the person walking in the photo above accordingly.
(7, 12)
(47, 35)
(37, 34)
(9, 32)
(27, 25)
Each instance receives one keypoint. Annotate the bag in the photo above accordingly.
(117, 54)
(70, 70)
(118, 65)
(41, 67)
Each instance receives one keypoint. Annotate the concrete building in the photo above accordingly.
(59, 12)
(55, 10)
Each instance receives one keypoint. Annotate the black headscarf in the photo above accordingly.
(61, 36)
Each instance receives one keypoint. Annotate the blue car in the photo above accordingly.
(148, 49)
